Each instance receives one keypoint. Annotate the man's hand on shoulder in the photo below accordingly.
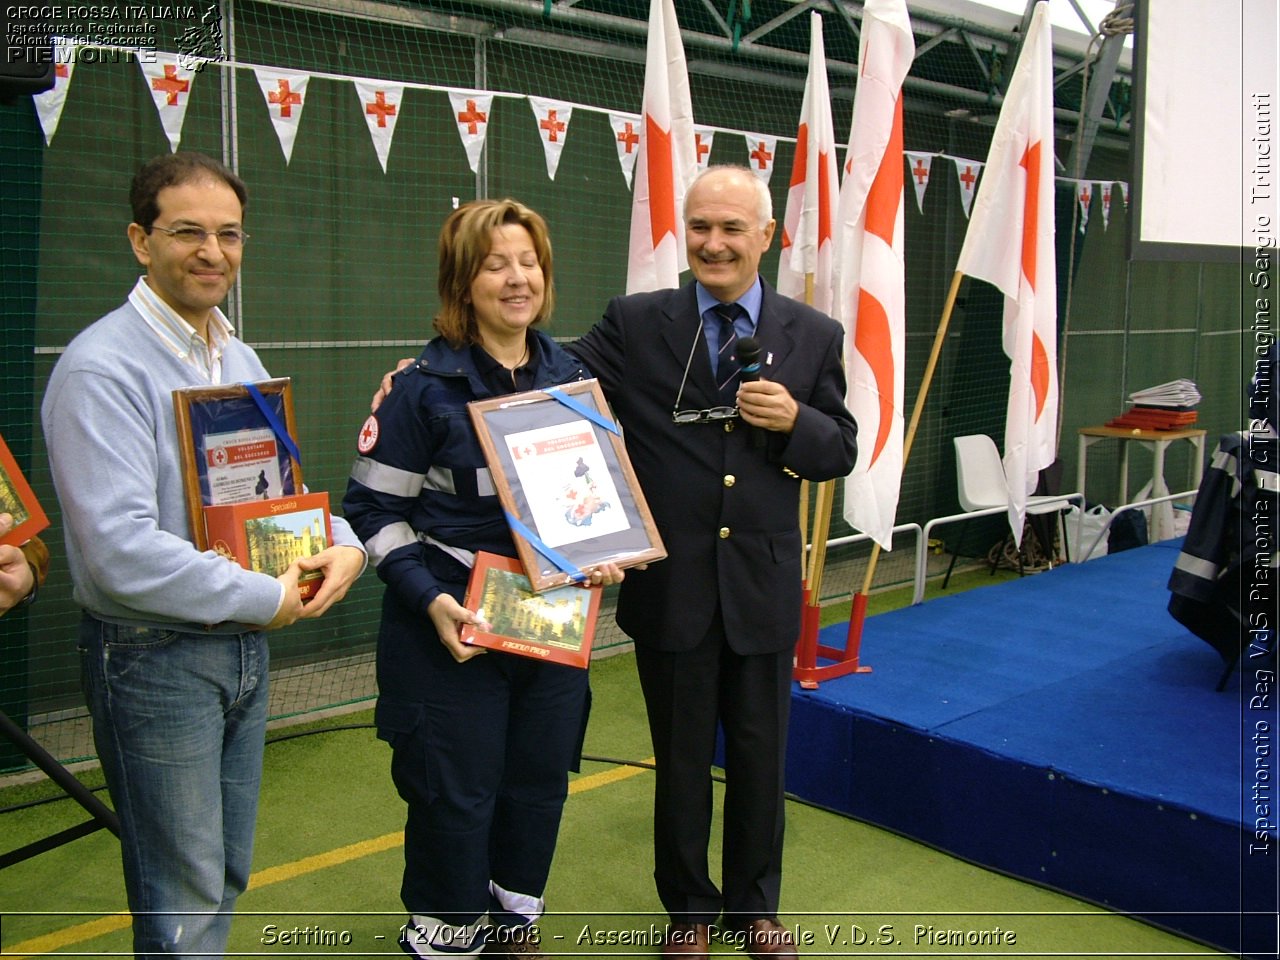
(340, 566)
(385, 386)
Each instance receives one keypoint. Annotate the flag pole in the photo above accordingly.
(858, 613)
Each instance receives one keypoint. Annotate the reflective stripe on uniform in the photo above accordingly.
(384, 479)
(389, 538)
(1196, 567)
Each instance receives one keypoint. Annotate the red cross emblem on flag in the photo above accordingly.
(701, 147)
(380, 108)
(921, 172)
(171, 85)
(61, 71)
(968, 178)
(287, 98)
(553, 126)
(762, 156)
(472, 117)
(628, 137)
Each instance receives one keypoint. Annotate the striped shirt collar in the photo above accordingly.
(181, 337)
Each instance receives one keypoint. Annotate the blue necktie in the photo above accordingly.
(727, 366)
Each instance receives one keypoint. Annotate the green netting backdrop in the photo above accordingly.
(338, 280)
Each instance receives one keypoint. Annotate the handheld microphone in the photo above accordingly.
(748, 350)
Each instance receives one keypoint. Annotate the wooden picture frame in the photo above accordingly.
(556, 625)
(565, 481)
(17, 498)
(225, 437)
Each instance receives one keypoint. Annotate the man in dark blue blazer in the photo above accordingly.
(715, 624)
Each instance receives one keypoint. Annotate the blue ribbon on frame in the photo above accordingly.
(277, 427)
(578, 407)
(565, 565)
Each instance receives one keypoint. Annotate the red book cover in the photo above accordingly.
(557, 625)
(268, 535)
(17, 499)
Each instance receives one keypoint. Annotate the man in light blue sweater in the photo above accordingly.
(173, 643)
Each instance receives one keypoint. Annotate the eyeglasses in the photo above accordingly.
(228, 239)
(710, 415)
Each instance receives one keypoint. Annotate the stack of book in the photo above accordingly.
(1166, 406)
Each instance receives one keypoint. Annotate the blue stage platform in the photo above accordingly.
(1065, 729)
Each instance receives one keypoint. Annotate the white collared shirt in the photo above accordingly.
(181, 337)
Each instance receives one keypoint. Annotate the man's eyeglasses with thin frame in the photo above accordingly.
(229, 238)
(709, 415)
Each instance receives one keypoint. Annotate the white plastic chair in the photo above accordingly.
(981, 485)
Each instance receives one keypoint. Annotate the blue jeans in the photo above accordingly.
(179, 722)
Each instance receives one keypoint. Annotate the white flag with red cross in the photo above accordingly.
(471, 111)
(552, 117)
(807, 240)
(967, 176)
(380, 104)
(1009, 244)
(1084, 194)
(285, 92)
(626, 137)
(918, 165)
(702, 140)
(870, 275)
(666, 163)
(49, 104)
(1124, 192)
(170, 85)
(1104, 191)
(761, 151)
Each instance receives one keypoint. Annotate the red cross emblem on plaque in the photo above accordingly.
(286, 98)
(920, 172)
(171, 85)
(628, 137)
(380, 108)
(761, 156)
(553, 126)
(472, 117)
(968, 178)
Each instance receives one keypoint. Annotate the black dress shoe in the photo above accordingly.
(687, 941)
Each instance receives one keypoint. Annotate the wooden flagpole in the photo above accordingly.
(858, 612)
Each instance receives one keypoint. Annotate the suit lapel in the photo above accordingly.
(774, 331)
(682, 332)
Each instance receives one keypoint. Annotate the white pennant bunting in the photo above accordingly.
(1104, 191)
(380, 106)
(967, 176)
(285, 91)
(471, 114)
(761, 151)
(626, 135)
(170, 85)
(553, 127)
(918, 165)
(50, 103)
(1084, 193)
(702, 139)
(1124, 191)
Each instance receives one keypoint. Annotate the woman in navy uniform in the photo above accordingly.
(481, 744)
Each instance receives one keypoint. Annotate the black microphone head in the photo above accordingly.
(748, 350)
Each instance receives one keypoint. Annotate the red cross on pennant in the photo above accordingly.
(550, 124)
(761, 155)
(287, 98)
(967, 178)
(472, 117)
(920, 172)
(380, 108)
(701, 148)
(1085, 196)
(61, 71)
(629, 137)
(171, 85)
(1106, 195)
